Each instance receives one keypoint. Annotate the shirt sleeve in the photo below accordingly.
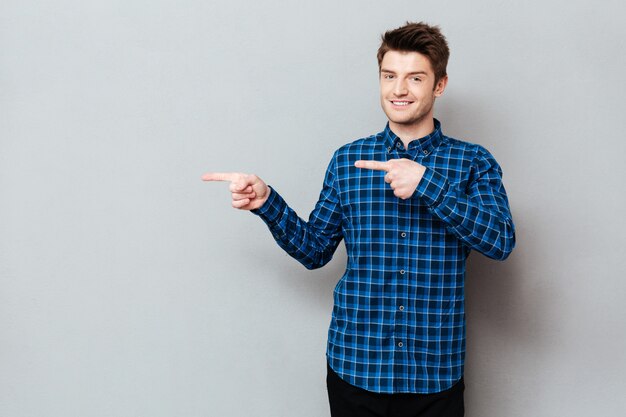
(479, 215)
(311, 243)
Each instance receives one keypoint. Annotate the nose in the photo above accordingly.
(399, 88)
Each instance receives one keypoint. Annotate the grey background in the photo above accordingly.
(129, 287)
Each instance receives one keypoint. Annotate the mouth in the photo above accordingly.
(400, 103)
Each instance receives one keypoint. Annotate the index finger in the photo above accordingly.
(376, 165)
(220, 176)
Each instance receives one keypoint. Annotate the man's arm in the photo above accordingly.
(312, 243)
(479, 216)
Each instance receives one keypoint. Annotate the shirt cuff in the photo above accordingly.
(432, 187)
(271, 210)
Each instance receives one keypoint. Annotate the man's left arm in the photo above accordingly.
(480, 215)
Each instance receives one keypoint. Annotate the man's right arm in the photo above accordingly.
(311, 242)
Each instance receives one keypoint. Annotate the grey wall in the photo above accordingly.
(129, 287)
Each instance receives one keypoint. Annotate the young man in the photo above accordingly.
(410, 204)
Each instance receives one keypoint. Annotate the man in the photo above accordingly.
(410, 203)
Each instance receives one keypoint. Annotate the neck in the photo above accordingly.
(408, 132)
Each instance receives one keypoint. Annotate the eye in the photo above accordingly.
(387, 76)
(416, 79)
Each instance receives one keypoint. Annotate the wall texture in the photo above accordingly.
(129, 287)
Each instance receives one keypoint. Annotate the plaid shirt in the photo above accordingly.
(398, 321)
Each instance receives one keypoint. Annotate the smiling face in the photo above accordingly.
(407, 95)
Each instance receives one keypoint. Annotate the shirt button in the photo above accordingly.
(400, 344)
(403, 234)
(401, 308)
(402, 271)
(389, 149)
(425, 152)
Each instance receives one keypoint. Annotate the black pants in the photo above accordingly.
(347, 400)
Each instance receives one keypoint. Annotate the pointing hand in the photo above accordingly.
(248, 191)
(403, 175)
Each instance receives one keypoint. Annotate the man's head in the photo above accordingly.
(418, 37)
(412, 64)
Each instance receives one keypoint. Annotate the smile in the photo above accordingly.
(401, 103)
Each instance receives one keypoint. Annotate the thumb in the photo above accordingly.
(246, 180)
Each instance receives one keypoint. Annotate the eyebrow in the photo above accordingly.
(410, 73)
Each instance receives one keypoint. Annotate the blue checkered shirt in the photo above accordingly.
(398, 321)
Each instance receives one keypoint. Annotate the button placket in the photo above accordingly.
(403, 252)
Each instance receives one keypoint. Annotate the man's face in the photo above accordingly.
(406, 87)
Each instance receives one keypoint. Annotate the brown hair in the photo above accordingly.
(418, 37)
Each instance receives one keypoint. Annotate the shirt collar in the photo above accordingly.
(424, 145)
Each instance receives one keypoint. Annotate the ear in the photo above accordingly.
(441, 85)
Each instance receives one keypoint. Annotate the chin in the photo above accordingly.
(397, 118)
(401, 120)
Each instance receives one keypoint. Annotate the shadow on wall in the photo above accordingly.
(508, 320)
(494, 304)
(505, 330)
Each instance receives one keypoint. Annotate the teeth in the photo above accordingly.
(400, 103)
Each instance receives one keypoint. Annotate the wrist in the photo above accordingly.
(265, 197)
